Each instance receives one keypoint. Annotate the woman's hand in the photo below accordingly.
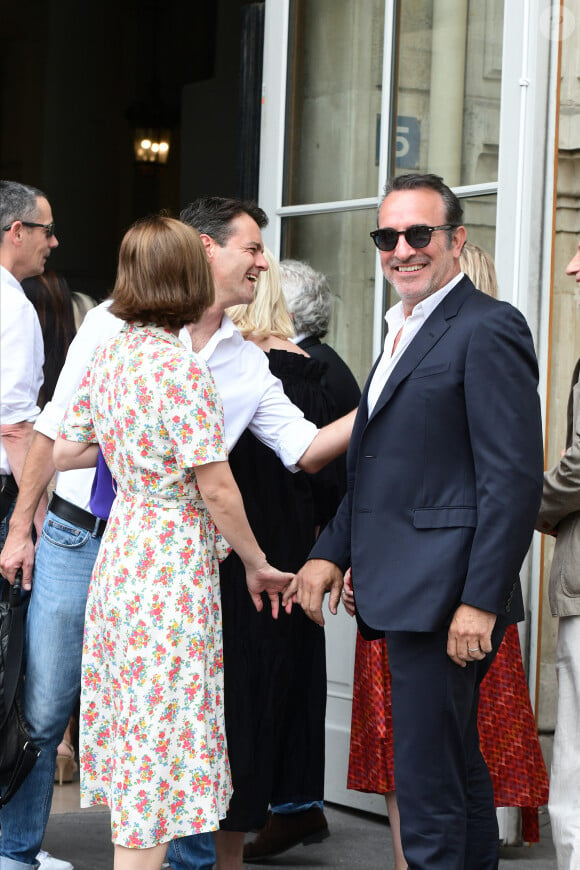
(272, 582)
(348, 593)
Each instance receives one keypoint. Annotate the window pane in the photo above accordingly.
(339, 246)
(449, 85)
(479, 218)
(334, 100)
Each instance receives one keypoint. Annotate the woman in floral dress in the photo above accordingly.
(152, 742)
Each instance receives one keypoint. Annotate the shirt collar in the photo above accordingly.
(395, 316)
(8, 278)
(227, 330)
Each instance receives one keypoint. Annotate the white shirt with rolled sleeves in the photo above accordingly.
(252, 397)
(21, 360)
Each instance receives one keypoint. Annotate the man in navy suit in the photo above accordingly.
(444, 483)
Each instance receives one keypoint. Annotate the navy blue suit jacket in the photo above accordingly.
(445, 478)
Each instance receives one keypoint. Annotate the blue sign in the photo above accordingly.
(407, 142)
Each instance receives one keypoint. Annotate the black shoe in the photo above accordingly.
(283, 831)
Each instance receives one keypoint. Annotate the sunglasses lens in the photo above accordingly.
(386, 239)
(418, 237)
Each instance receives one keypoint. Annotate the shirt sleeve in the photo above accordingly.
(279, 424)
(97, 327)
(22, 361)
(77, 424)
(192, 413)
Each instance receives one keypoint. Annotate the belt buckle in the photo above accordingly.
(96, 527)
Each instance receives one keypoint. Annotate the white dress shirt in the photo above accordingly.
(252, 397)
(409, 327)
(21, 360)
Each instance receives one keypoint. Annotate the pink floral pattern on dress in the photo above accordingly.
(152, 737)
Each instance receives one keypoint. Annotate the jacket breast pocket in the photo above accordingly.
(445, 517)
(428, 370)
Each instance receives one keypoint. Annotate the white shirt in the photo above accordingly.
(21, 359)
(410, 326)
(252, 397)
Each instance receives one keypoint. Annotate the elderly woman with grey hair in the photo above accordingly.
(308, 297)
(310, 301)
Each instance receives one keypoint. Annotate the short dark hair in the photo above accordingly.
(418, 180)
(18, 202)
(213, 215)
(163, 275)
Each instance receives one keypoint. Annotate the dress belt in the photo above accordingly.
(77, 516)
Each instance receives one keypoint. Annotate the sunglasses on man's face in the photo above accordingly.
(417, 236)
(48, 228)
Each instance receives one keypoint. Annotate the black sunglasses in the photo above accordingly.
(417, 236)
(48, 228)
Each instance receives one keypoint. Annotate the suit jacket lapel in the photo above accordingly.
(434, 327)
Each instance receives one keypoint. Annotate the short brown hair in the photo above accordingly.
(163, 275)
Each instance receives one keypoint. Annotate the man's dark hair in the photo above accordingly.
(18, 202)
(418, 180)
(213, 215)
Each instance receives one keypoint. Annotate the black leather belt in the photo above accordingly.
(77, 516)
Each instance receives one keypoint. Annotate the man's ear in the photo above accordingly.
(209, 245)
(458, 238)
(15, 233)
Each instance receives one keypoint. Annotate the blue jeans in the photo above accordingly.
(53, 651)
(192, 853)
(291, 808)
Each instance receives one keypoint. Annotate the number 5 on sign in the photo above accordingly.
(407, 142)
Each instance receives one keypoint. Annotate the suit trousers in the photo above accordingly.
(564, 802)
(444, 790)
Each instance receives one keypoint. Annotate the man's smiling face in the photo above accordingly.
(416, 273)
(237, 264)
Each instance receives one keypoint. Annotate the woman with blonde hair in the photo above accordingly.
(152, 737)
(275, 672)
(479, 266)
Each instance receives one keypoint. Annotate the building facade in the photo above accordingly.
(483, 92)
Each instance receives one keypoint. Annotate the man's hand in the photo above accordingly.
(308, 587)
(272, 582)
(469, 637)
(348, 594)
(18, 552)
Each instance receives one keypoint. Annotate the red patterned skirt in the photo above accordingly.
(507, 729)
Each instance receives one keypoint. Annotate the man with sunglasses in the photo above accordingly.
(445, 478)
(26, 240)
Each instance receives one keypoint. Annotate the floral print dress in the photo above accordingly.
(152, 736)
